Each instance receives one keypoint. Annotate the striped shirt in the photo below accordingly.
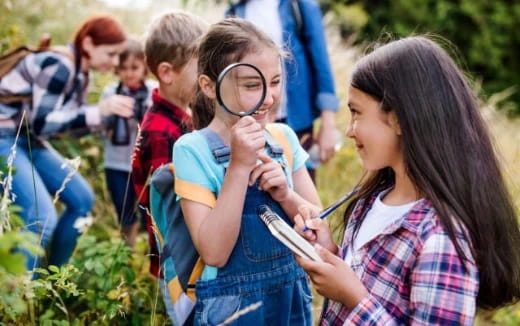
(57, 95)
(412, 272)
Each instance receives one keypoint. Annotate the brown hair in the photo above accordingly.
(173, 38)
(449, 156)
(102, 29)
(132, 48)
(226, 42)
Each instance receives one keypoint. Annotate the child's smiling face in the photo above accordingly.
(375, 132)
(268, 62)
(132, 72)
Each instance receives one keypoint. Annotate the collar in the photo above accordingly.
(172, 110)
(410, 221)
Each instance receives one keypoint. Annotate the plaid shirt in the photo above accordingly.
(162, 125)
(412, 272)
(57, 95)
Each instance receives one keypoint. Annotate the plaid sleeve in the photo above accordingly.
(49, 88)
(369, 312)
(443, 291)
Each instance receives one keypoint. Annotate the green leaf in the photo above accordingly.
(54, 269)
(13, 263)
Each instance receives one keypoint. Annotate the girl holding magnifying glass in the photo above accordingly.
(230, 167)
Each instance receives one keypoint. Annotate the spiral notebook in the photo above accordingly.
(283, 232)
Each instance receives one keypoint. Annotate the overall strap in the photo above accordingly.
(222, 153)
(217, 146)
(272, 146)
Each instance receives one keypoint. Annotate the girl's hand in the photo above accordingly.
(334, 279)
(247, 139)
(117, 104)
(318, 230)
(271, 178)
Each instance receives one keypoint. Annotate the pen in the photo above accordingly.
(334, 206)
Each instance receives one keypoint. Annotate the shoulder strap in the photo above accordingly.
(9, 60)
(222, 153)
(272, 145)
(7, 63)
(219, 149)
(280, 137)
(298, 19)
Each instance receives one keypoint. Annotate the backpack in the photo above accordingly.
(180, 263)
(9, 60)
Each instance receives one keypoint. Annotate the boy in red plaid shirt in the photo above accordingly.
(171, 55)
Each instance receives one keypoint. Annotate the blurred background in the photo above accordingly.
(108, 284)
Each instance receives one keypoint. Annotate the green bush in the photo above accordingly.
(485, 33)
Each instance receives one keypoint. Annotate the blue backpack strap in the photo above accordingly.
(219, 149)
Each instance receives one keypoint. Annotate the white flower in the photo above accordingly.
(83, 223)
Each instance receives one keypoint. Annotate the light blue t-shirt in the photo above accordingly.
(198, 176)
(196, 167)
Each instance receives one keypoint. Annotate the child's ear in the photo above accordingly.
(165, 73)
(207, 86)
(394, 123)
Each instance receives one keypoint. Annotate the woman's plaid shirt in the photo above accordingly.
(57, 92)
(412, 272)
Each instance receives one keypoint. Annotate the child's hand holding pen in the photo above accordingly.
(311, 224)
(313, 229)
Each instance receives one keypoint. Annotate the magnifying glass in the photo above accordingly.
(241, 89)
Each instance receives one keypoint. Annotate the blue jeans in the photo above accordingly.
(35, 183)
(119, 185)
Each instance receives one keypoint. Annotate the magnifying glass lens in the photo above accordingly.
(242, 90)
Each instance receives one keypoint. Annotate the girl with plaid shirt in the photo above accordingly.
(431, 233)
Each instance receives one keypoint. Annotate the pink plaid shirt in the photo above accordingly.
(412, 272)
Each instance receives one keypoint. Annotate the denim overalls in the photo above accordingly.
(259, 269)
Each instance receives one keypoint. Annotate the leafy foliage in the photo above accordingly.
(483, 31)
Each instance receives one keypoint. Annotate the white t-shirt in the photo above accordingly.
(264, 14)
(378, 218)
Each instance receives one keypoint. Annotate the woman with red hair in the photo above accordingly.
(53, 85)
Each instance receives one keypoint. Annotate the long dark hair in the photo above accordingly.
(226, 42)
(448, 154)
